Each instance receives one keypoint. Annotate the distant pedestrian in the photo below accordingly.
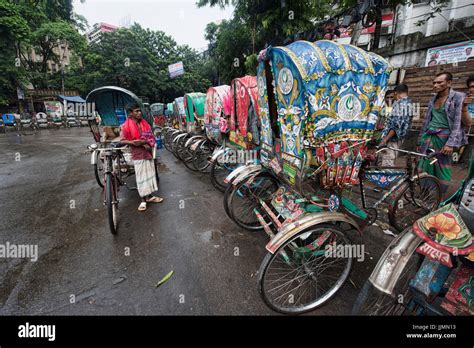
(468, 103)
(137, 133)
(397, 126)
(442, 130)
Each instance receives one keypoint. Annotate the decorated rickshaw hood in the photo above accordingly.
(108, 98)
(217, 107)
(246, 93)
(325, 92)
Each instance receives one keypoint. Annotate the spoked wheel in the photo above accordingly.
(179, 149)
(111, 202)
(201, 156)
(245, 197)
(167, 140)
(189, 153)
(372, 301)
(415, 201)
(219, 171)
(300, 276)
(99, 170)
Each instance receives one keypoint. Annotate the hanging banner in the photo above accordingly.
(449, 54)
(176, 69)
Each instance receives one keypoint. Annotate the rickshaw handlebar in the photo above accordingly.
(431, 153)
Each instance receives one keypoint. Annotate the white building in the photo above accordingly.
(94, 35)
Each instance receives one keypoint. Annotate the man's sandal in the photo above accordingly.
(142, 206)
(155, 200)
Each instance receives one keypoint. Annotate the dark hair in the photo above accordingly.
(132, 106)
(389, 91)
(449, 76)
(401, 88)
(469, 80)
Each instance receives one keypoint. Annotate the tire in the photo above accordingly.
(414, 202)
(201, 156)
(219, 172)
(111, 202)
(372, 301)
(245, 196)
(179, 147)
(99, 170)
(188, 157)
(290, 255)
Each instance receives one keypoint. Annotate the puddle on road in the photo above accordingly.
(211, 235)
(163, 168)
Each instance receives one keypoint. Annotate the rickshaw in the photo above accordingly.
(241, 131)
(216, 112)
(112, 161)
(178, 124)
(318, 105)
(194, 108)
(158, 114)
(429, 268)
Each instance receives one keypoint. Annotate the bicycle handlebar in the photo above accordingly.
(431, 153)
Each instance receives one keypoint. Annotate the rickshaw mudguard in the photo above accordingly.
(393, 261)
(293, 228)
(192, 139)
(247, 172)
(217, 154)
(94, 157)
(179, 137)
(233, 174)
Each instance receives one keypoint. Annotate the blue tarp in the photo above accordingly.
(74, 99)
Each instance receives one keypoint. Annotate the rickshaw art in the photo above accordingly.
(216, 112)
(326, 94)
(244, 112)
(179, 113)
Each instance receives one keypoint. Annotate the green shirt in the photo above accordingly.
(439, 118)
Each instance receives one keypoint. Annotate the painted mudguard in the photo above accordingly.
(233, 174)
(249, 170)
(194, 137)
(290, 230)
(393, 261)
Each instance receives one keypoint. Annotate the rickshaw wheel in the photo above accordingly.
(111, 202)
(244, 198)
(408, 206)
(313, 278)
(219, 172)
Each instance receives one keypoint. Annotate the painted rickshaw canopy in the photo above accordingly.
(179, 106)
(244, 94)
(217, 107)
(157, 109)
(111, 103)
(324, 91)
(194, 106)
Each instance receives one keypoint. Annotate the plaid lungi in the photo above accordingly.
(145, 176)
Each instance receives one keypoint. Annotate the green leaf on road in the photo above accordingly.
(164, 279)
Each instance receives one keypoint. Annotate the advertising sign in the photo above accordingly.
(448, 54)
(176, 69)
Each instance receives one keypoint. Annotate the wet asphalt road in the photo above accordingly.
(49, 197)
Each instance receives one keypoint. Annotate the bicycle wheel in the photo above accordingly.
(372, 301)
(179, 148)
(189, 153)
(99, 170)
(246, 196)
(111, 202)
(415, 201)
(219, 171)
(300, 276)
(201, 156)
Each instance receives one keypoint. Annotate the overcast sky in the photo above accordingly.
(181, 19)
